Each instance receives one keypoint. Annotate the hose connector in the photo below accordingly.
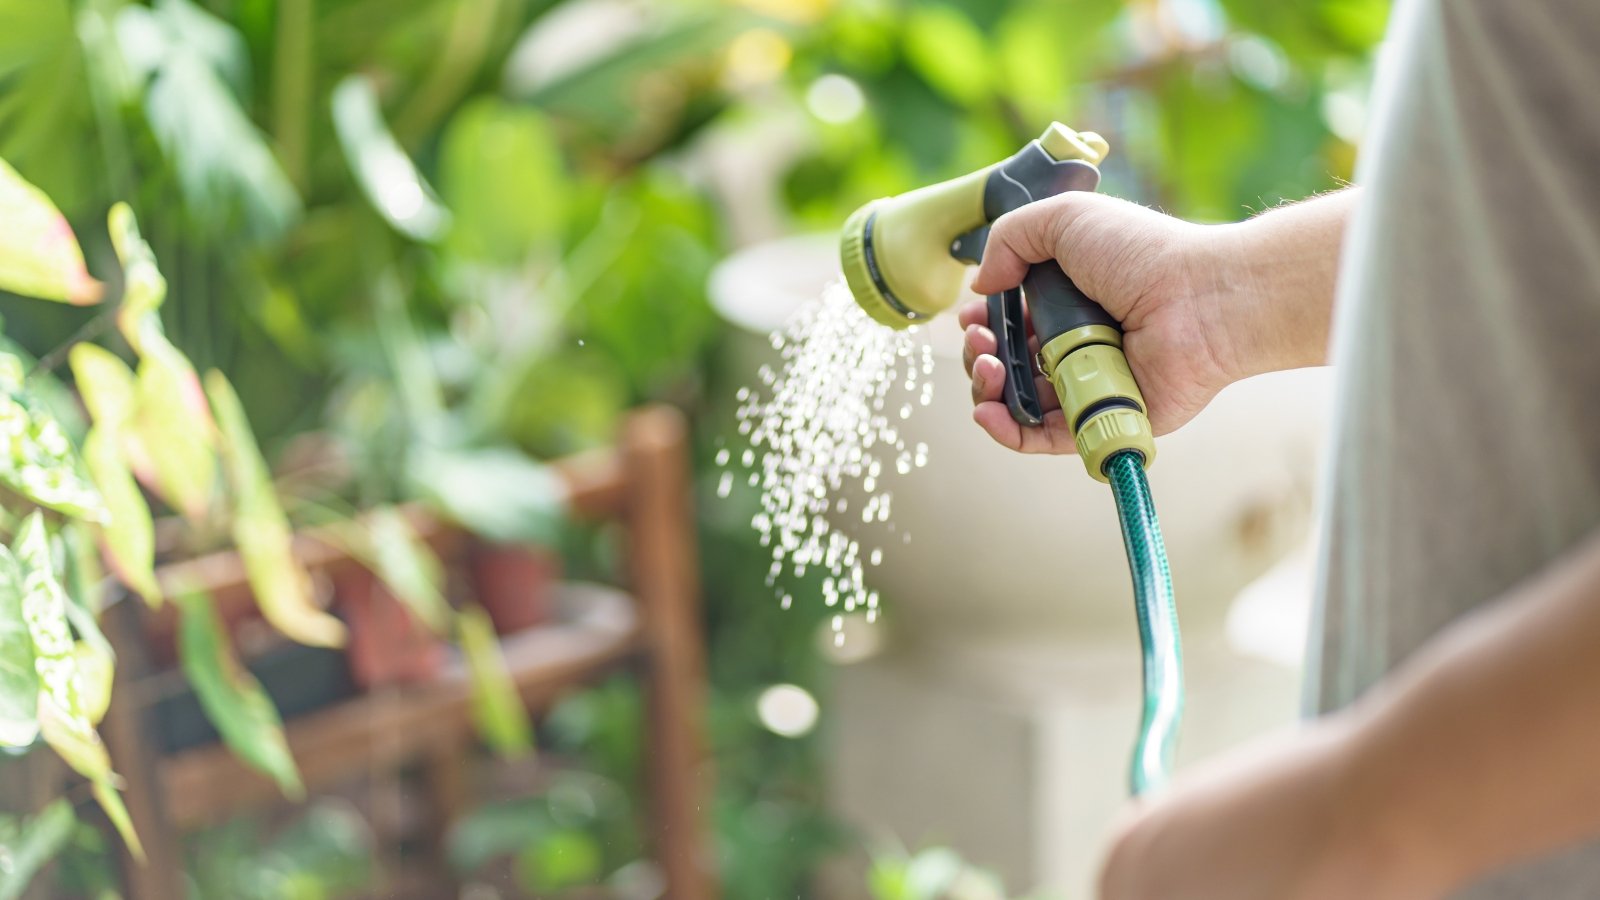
(1099, 397)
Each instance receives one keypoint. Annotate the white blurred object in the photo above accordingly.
(1272, 615)
(787, 710)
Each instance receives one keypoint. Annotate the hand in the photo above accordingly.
(1287, 820)
(1141, 266)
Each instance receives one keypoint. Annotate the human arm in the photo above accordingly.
(1478, 753)
(1201, 306)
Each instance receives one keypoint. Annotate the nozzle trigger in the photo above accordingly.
(1011, 346)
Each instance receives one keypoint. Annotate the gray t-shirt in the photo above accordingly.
(1467, 338)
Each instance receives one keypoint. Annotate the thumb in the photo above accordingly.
(1019, 239)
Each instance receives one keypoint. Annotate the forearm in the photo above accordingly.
(1485, 750)
(1272, 277)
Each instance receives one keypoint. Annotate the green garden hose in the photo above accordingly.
(1158, 623)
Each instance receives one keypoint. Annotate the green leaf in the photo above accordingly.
(559, 859)
(950, 53)
(497, 707)
(386, 175)
(45, 105)
(39, 255)
(25, 852)
(505, 181)
(19, 681)
(280, 583)
(225, 167)
(232, 698)
(497, 493)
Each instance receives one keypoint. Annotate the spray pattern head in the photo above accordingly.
(904, 259)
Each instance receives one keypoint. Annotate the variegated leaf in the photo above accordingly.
(36, 459)
(19, 681)
(63, 717)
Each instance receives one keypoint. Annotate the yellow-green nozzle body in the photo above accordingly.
(898, 256)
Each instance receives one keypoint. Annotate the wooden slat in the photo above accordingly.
(664, 568)
(389, 728)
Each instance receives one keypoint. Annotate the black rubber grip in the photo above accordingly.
(1056, 304)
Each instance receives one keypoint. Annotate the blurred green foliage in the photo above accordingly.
(568, 147)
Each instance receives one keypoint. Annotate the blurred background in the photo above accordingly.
(486, 276)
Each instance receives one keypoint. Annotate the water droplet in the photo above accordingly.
(722, 457)
(725, 484)
(877, 556)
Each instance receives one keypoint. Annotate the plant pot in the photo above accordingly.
(514, 583)
(388, 645)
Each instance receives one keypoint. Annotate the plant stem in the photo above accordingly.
(292, 74)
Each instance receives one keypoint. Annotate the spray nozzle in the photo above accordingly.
(904, 257)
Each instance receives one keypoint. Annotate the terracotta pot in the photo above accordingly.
(388, 645)
(514, 584)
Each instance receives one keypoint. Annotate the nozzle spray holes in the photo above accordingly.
(823, 427)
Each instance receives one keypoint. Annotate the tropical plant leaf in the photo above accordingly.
(144, 288)
(175, 428)
(232, 698)
(39, 256)
(128, 539)
(104, 382)
(37, 841)
(227, 171)
(63, 718)
(36, 460)
(169, 442)
(261, 531)
(19, 681)
(497, 707)
(385, 173)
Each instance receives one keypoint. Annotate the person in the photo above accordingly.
(1455, 658)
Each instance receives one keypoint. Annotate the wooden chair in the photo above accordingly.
(644, 484)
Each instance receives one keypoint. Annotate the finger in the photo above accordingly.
(973, 312)
(977, 342)
(988, 379)
(1017, 240)
(1050, 437)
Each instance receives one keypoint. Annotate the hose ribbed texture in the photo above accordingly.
(1158, 623)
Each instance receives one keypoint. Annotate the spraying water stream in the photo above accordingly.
(823, 432)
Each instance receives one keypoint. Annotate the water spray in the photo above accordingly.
(904, 260)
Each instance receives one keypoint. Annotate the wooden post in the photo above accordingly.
(135, 756)
(663, 573)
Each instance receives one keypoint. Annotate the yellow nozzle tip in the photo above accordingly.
(1063, 143)
(858, 273)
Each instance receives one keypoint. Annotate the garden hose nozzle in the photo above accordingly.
(904, 259)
